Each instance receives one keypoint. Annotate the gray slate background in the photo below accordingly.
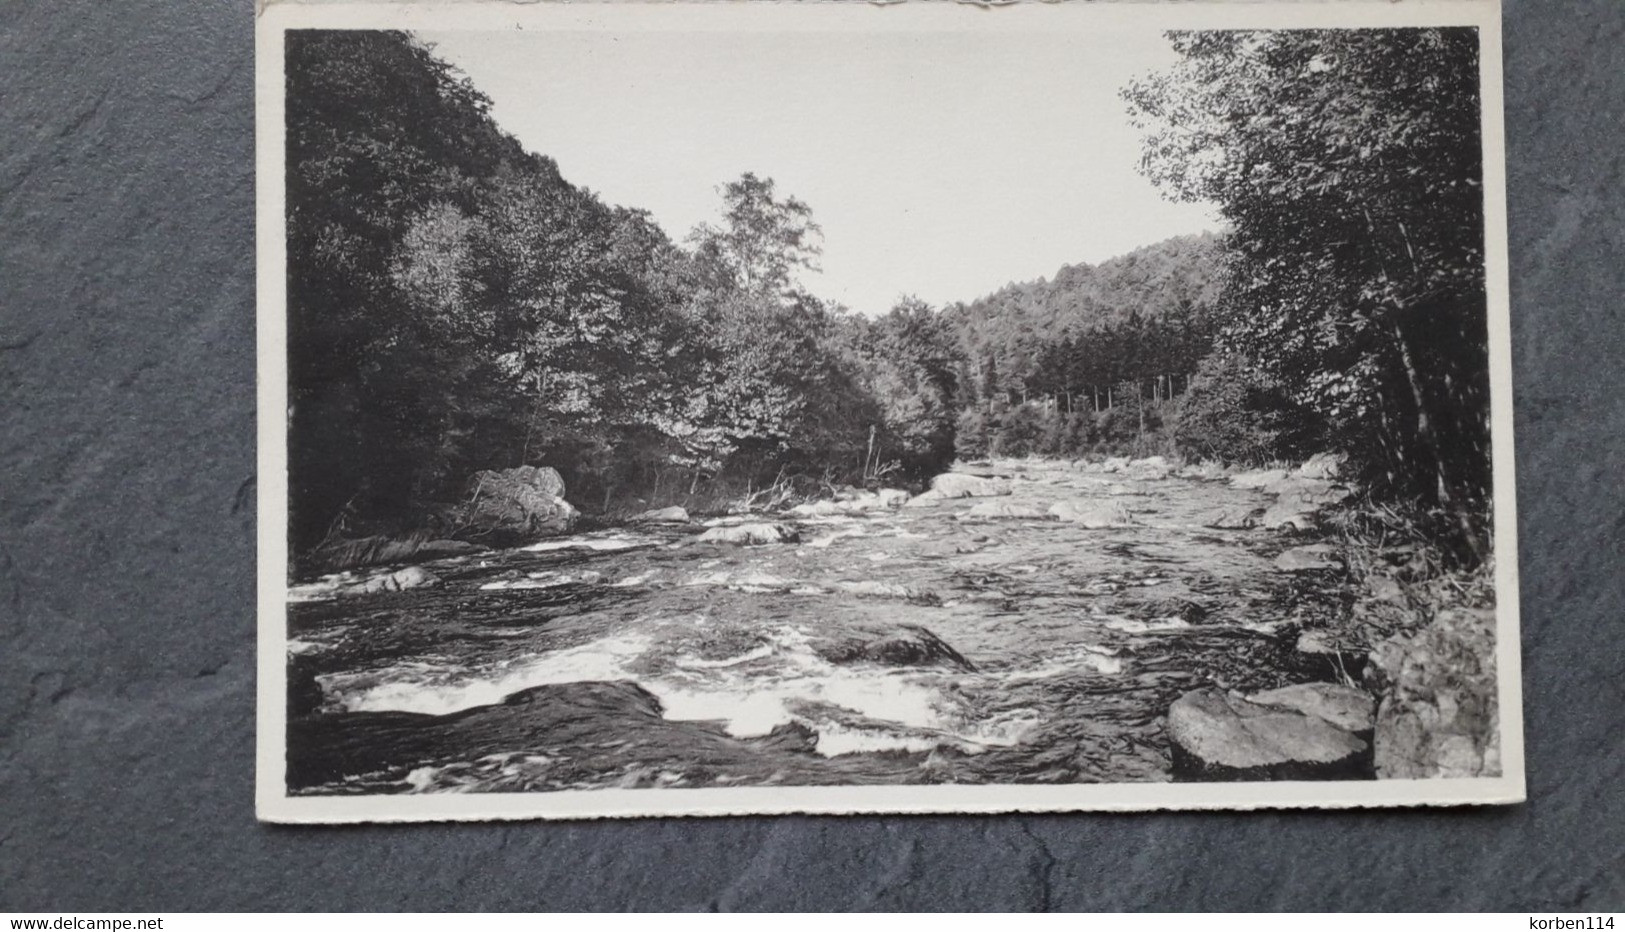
(127, 557)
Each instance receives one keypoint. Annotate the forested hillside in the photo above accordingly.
(1143, 315)
(455, 305)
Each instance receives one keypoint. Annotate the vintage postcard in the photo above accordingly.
(740, 408)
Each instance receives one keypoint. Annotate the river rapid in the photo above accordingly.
(913, 645)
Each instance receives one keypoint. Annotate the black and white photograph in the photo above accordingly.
(748, 408)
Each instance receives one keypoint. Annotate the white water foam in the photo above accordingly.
(904, 710)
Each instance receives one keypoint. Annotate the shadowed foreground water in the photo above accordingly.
(920, 645)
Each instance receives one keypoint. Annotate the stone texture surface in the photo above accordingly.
(1439, 699)
(1295, 734)
(127, 554)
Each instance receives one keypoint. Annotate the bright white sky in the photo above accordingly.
(940, 164)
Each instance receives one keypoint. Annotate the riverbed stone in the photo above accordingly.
(1092, 514)
(959, 485)
(1309, 557)
(676, 514)
(751, 534)
(1439, 714)
(1216, 735)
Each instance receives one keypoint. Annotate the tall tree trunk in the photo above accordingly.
(1430, 442)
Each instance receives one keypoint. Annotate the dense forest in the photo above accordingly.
(456, 305)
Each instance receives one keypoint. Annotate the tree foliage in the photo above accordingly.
(1349, 165)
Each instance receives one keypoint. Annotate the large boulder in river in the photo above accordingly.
(1315, 732)
(1439, 715)
(959, 485)
(1092, 514)
(513, 506)
(745, 534)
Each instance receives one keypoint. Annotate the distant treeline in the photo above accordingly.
(456, 305)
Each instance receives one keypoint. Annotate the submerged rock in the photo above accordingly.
(1007, 510)
(1311, 557)
(751, 534)
(1092, 514)
(1277, 735)
(1439, 715)
(1186, 610)
(676, 514)
(913, 647)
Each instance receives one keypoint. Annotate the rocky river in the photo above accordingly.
(1026, 622)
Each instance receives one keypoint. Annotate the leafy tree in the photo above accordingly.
(763, 242)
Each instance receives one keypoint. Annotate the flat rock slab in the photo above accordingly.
(1220, 736)
(1344, 706)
